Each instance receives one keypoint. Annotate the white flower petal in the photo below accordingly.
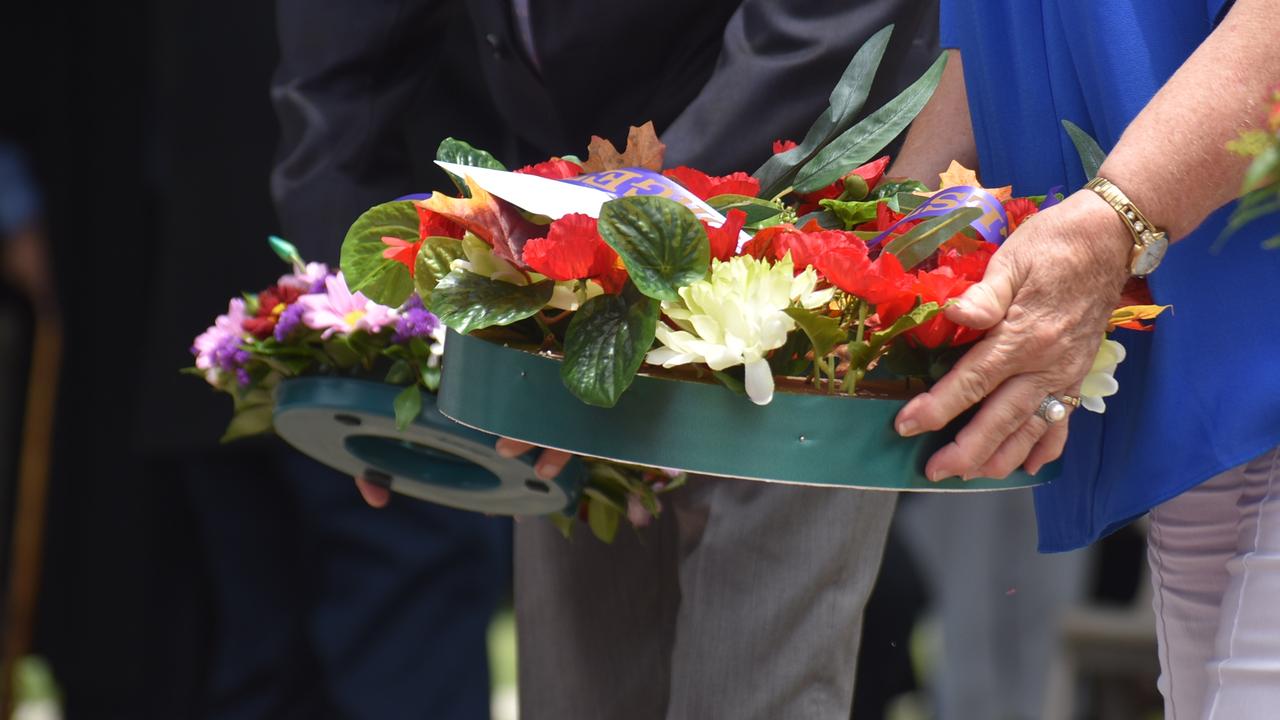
(1099, 385)
(759, 381)
(1093, 404)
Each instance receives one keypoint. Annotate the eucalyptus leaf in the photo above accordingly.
(435, 259)
(466, 301)
(861, 142)
(456, 151)
(825, 219)
(824, 332)
(905, 202)
(605, 345)
(660, 241)
(408, 404)
(924, 239)
(846, 100)
(1091, 154)
(382, 280)
(918, 316)
(757, 210)
(889, 188)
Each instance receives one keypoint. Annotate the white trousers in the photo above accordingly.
(1215, 565)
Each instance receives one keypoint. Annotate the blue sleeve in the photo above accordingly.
(1218, 9)
(951, 16)
(19, 199)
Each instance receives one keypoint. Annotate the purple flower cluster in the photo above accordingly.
(289, 320)
(228, 356)
(415, 321)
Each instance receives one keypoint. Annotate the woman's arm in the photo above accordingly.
(1047, 293)
(942, 132)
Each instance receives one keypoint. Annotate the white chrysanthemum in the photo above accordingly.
(1101, 382)
(735, 317)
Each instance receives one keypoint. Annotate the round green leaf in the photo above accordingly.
(366, 270)
(466, 301)
(435, 259)
(604, 346)
(662, 244)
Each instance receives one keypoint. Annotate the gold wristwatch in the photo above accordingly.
(1149, 242)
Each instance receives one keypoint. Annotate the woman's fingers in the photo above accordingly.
(375, 495)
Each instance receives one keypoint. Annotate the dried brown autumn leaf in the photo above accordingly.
(644, 150)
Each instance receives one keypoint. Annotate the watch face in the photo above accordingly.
(1149, 256)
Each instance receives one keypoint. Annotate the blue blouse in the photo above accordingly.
(1199, 395)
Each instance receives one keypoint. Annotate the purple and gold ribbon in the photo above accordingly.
(992, 226)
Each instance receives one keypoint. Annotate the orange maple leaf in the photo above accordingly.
(644, 150)
(491, 219)
(957, 175)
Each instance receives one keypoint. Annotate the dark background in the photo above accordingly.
(149, 130)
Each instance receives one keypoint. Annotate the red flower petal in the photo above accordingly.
(806, 246)
(554, 169)
(708, 186)
(781, 146)
(1018, 210)
(724, 239)
(872, 172)
(436, 225)
(574, 250)
(402, 251)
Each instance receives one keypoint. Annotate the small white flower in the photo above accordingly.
(735, 317)
(1101, 382)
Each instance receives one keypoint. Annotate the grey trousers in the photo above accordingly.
(743, 601)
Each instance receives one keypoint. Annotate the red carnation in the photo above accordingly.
(724, 239)
(781, 146)
(574, 250)
(971, 265)
(878, 281)
(939, 285)
(708, 186)
(806, 246)
(554, 169)
(271, 302)
(1018, 210)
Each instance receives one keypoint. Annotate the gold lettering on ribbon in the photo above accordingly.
(609, 180)
(649, 186)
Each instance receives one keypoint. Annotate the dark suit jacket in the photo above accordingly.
(365, 89)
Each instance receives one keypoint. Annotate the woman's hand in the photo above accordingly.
(549, 465)
(1046, 297)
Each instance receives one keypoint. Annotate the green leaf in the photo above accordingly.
(435, 258)
(1091, 154)
(563, 523)
(380, 279)
(889, 188)
(662, 244)
(466, 301)
(407, 406)
(461, 153)
(735, 384)
(757, 210)
(861, 142)
(906, 202)
(846, 100)
(400, 373)
(924, 239)
(603, 520)
(341, 352)
(824, 218)
(431, 379)
(852, 213)
(604, 346)
(1264, 165)
(789, 360)
(248, 421)
(918, 316)
(824, 332)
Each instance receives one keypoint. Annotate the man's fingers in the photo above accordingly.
(1003, 414)
(986, 303)
(550, 463)
(509, 448)
(375, 495)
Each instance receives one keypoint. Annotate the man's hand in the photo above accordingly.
(549, 465)
(1046, 297)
